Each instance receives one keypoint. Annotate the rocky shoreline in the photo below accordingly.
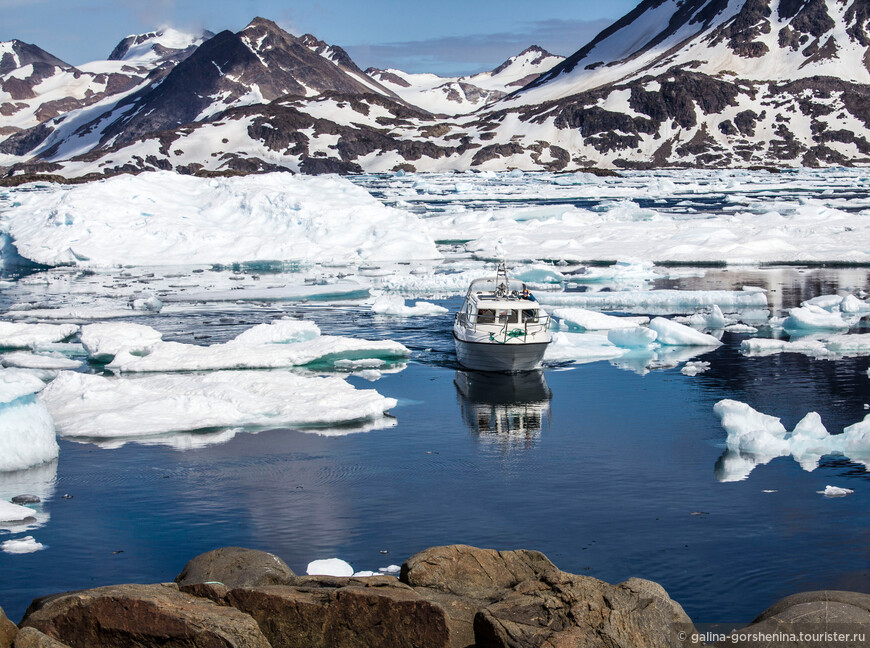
(454, 596)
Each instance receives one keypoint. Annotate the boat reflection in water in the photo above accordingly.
(505, 409)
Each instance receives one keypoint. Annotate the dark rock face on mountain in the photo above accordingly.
(706, 83)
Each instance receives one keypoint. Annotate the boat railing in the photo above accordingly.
(505, 330)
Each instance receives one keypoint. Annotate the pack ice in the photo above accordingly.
(166, 218)
(281, 344)
(97, 407)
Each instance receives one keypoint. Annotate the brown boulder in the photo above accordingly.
(7, 630)
(565, 610)
(473, 572)
(321, 612)
(33, 638)
(236, 567)
(121, 616)
(810, 620)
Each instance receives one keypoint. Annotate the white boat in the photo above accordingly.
(500, 326)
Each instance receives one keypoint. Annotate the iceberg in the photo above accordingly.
(675, 334)
(165, 218)
(755, 439)
(695, 368)
(27, 432)
(97, 407)
(636, 337)
(589, 320)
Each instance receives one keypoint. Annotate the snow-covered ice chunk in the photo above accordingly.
(326, 349)
(395, 305)
(16, 335)
(390, 569)
(27, 434)
(589, 320)
(636, 337)
(329, 567)
(168, 218)
(695, 368)
(25, 360)
(835, 491)
(105, 340)
(675, 334)
(813, 318)
(24, 545)
(86, 405)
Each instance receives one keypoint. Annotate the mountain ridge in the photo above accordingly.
(674, 83)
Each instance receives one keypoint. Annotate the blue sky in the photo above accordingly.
(444, 36)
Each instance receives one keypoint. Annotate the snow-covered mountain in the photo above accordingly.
(465, 94)
(36, 87)
(712, 83)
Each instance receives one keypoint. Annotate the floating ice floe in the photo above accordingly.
(823, 347)
(835, 491)
(167, 218)
(395, 305)
(77, 314)
(589, 320)
(695, 368)
(659, 301)
(23, 545)
(90, 406)
(27, 433)
(849, 304)
(329, 567)
(17, 335)
(755, 439)
(675, 334)
(284, 343)
(813, 318)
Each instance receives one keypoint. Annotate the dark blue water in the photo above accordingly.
(609, 473)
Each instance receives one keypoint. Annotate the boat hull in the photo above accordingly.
(491, 356)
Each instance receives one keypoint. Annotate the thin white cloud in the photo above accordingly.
(466, 54)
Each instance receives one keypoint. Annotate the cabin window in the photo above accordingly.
(530, 316)
(508, 316)
(485, 316)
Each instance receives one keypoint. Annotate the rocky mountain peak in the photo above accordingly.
(16, 54)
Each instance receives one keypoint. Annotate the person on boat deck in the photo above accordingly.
(526, 294)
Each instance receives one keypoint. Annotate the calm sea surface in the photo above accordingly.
(609, 472)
